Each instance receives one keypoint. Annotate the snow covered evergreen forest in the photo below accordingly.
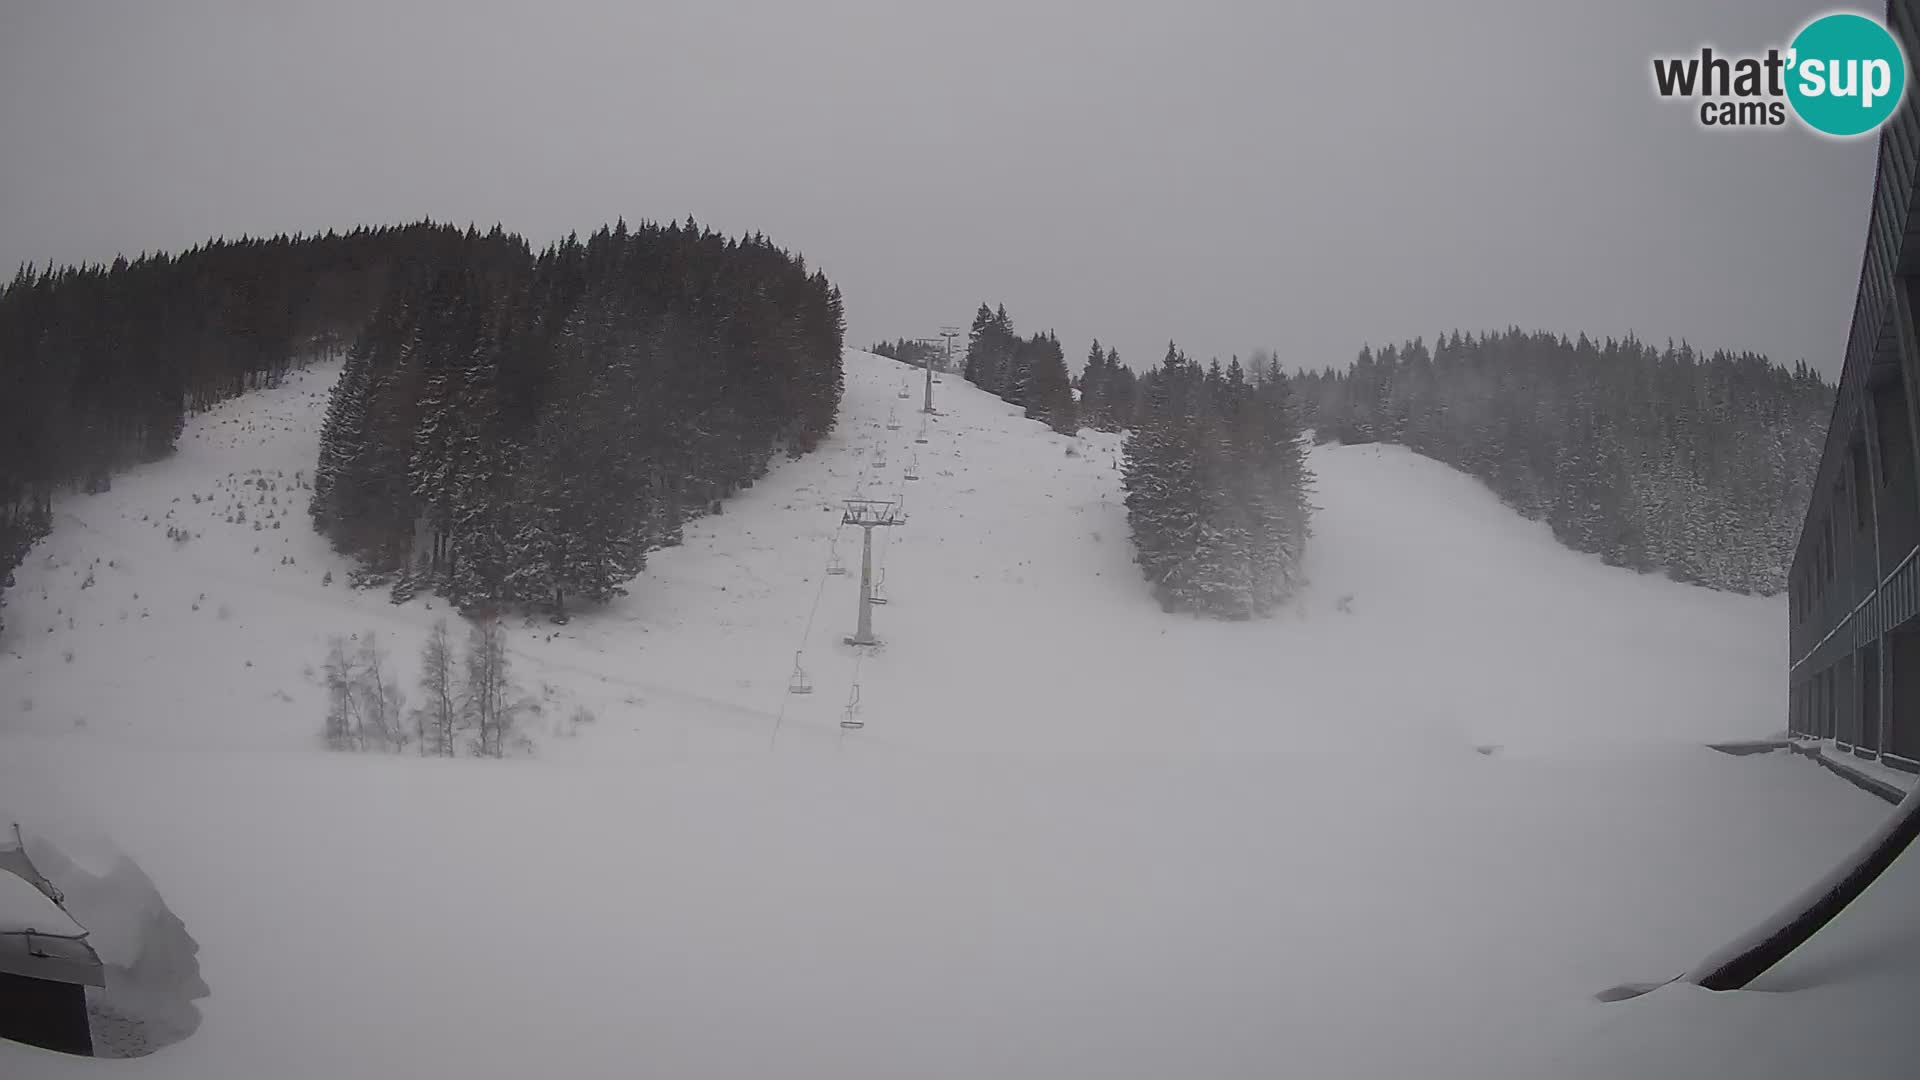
(1217, 483)
(1655, 459)
(1215, 475)
(520, 431)
(509, 428)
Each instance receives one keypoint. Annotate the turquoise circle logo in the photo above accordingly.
(1847, 74)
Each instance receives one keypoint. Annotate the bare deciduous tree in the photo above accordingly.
(363, 705)
(439, 713)
(382, 701)
(343, 703)
(489, 703)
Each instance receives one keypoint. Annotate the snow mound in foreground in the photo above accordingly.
(152, 970)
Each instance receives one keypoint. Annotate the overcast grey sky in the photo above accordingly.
(1233, 175)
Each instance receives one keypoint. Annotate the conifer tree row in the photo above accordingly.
(1216, 482)
(912, 353)
(1655, 459)
(1029, 372)
(463, 346)
(1108, 391)
(521, 430)
(101, 365)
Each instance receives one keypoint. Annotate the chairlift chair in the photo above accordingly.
(850, 717)
(879, 596)
(835, 565)
(913, 468)
(893, 422)
(799, 683)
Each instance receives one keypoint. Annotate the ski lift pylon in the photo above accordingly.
(850, 717)
(799, 683)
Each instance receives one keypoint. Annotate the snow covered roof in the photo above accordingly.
(24, 907)
(38, 938)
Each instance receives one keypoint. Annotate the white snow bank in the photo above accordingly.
(152, 974)
(1840, 1006)
(877, 914)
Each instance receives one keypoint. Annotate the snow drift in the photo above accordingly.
(152, 973)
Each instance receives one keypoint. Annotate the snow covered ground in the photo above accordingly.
(1165, 846)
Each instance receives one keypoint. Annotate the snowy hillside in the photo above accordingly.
(654, 893)
(1016, 619)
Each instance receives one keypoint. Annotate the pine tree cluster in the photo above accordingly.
(1217, 483)
(1655, 459)
(519, 430)
(1030, 372)
(913, 353)
(101, 365)
(1109, 391)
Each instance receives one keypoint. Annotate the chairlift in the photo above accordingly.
(922, 437)
(904, 394)
(893, 422)
(799, 683)
(879, 596)
(913, 469)
(835, 565)
(850, 717)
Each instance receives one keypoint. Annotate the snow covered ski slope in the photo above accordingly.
(1172, 846)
